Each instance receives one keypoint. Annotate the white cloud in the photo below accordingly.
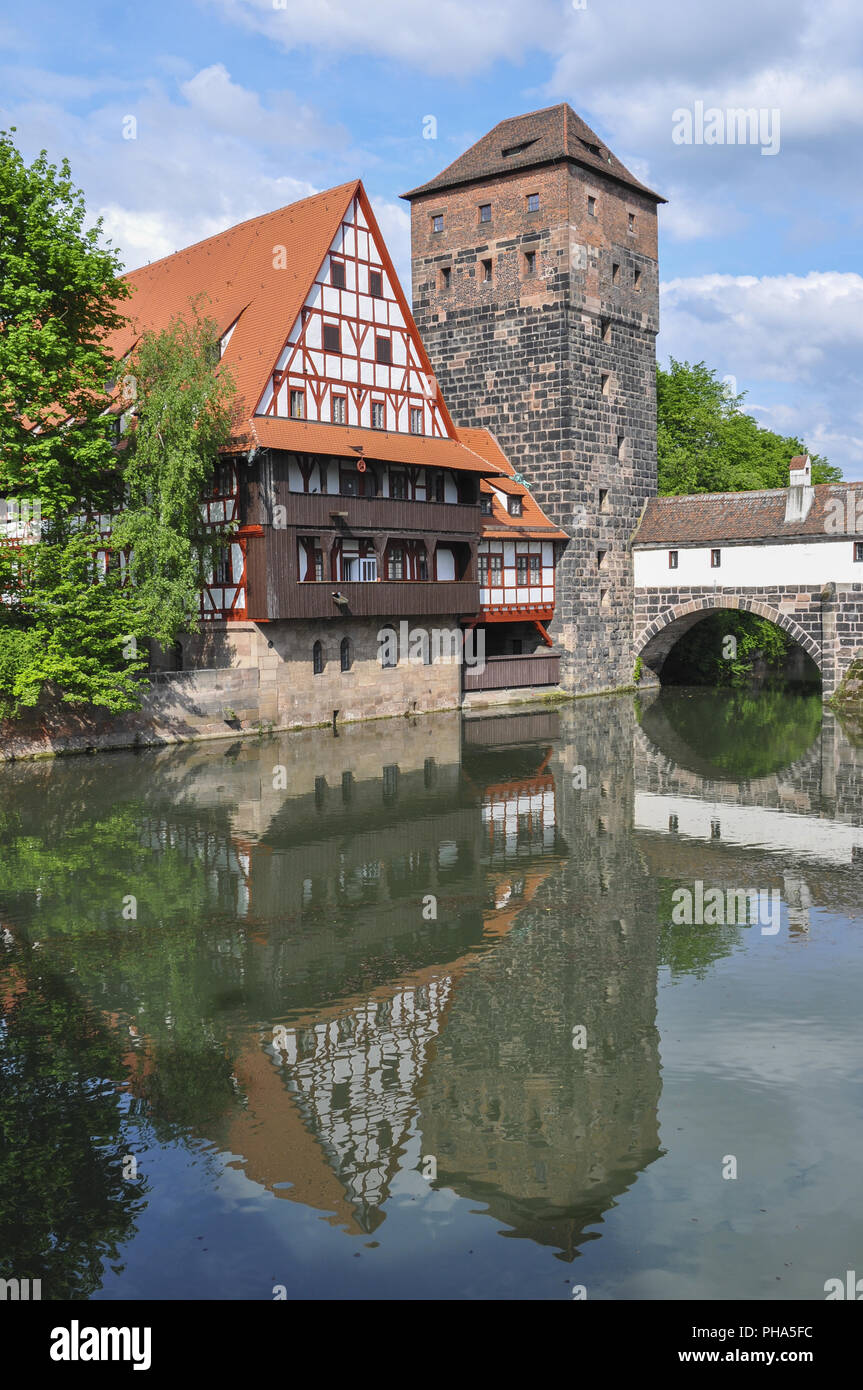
(774, 332)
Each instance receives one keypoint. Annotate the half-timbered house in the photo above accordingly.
(351, 505)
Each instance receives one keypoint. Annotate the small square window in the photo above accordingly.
(591, 206)
(416, 419)
(485, 504)
(338, 410)
(437, 222)
(485, 212)
(533, 202)
(298, 405)
(332, 338)
(672, 559)
(530, 262)
(486, 272)
(630, 221)
(445, 276)
(715, 559)
(377, 415)
(615, 273)
(383, 350)
(337, 274)
(376, 284)
(514, 506)
(858, 551)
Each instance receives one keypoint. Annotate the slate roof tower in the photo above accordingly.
(535, 290)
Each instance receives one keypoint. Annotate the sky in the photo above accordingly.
(182, 118)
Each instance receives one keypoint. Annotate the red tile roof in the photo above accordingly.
(704, 517)
(533, 524)
(348, 441)
(552, 134)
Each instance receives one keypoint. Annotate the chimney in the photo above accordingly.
(801, 493)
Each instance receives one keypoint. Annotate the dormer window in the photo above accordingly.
(514, 506)
(485, 504)
(518, 149)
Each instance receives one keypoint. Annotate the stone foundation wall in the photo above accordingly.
(240, 677)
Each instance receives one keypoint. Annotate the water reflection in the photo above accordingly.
(327, 959)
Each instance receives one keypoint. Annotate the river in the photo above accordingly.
(430, 1009)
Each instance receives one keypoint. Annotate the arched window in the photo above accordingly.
(318, 659)
(345, 654)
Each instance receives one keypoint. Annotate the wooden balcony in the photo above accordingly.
(385, 599)
(314, 511)
(512, 672)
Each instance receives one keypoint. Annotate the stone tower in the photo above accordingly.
(535, 289)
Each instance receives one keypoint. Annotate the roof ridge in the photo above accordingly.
(247, 222)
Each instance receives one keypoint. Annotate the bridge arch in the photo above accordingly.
(658, 637)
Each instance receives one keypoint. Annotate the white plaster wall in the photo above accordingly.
(750, 566)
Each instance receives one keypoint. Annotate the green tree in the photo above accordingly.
(707, 443)
(183, 414)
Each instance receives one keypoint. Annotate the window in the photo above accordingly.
(396, 562)
(347, 787)
(603, 501)
(533, 202)
(485, 212)
(337, 274)
(435, 486)
(630, 221)
(398, 483)
(389, 648)
(672, 559)
(636, 277)
(605, 379)
(858, 551)
(715, 559)
(298, 405)
(485, 504)
(514, 506)
(338, 410)
(600, 559)
(383, 350)
(223, 479)
(605, 330)
(416, 419)
(318, 659)
(615, 273)
(530, 262)
(422, 567)
(495, 570)
(519, 149)
(346, 659)
(377, 415)
(376, 284)
(391, 782)
(445, 276)
(486, 272)
(437, 222)
(591, 207)
(527, 570)
(332, 338)
(604, 598)
(621, 446)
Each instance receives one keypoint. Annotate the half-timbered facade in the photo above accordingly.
(347, 501)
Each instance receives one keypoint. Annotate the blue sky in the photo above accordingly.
(241, 106)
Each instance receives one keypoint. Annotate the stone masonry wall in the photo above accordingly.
(560, 365)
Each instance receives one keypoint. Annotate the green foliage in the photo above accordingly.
(733, 734)
(60, 297)
(638, 670)
(706, 443)
(183, 419)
